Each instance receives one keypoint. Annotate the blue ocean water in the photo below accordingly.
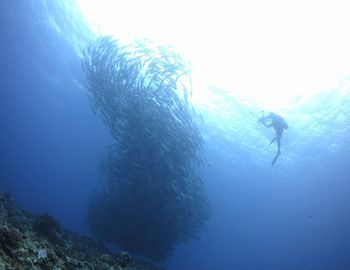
(294, 215)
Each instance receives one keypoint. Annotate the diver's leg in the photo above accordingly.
(274, 160)
(279, 145)
(278, 138)
(274, 139)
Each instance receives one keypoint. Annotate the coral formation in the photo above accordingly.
(25, 244)
(48, 227)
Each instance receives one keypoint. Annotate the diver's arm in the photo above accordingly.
(262, 120)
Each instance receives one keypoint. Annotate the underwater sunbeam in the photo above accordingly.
(257, 51)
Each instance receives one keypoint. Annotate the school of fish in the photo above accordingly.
(152, 194)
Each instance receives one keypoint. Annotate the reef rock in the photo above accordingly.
(39, 242)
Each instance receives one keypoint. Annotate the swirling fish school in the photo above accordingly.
(153, 196)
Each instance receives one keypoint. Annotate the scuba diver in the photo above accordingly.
(279, 124)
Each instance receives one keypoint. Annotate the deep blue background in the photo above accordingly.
(294, 215)
(51, 142)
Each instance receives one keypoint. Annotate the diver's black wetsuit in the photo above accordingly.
(279, 124)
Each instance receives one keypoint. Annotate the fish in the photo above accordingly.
(154, 196)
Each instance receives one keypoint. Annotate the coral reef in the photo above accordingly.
(48, 227)
(153, 196)
(35, 242)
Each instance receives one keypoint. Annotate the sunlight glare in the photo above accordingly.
(267, 52)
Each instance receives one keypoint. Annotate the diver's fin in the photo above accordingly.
(274, 160)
